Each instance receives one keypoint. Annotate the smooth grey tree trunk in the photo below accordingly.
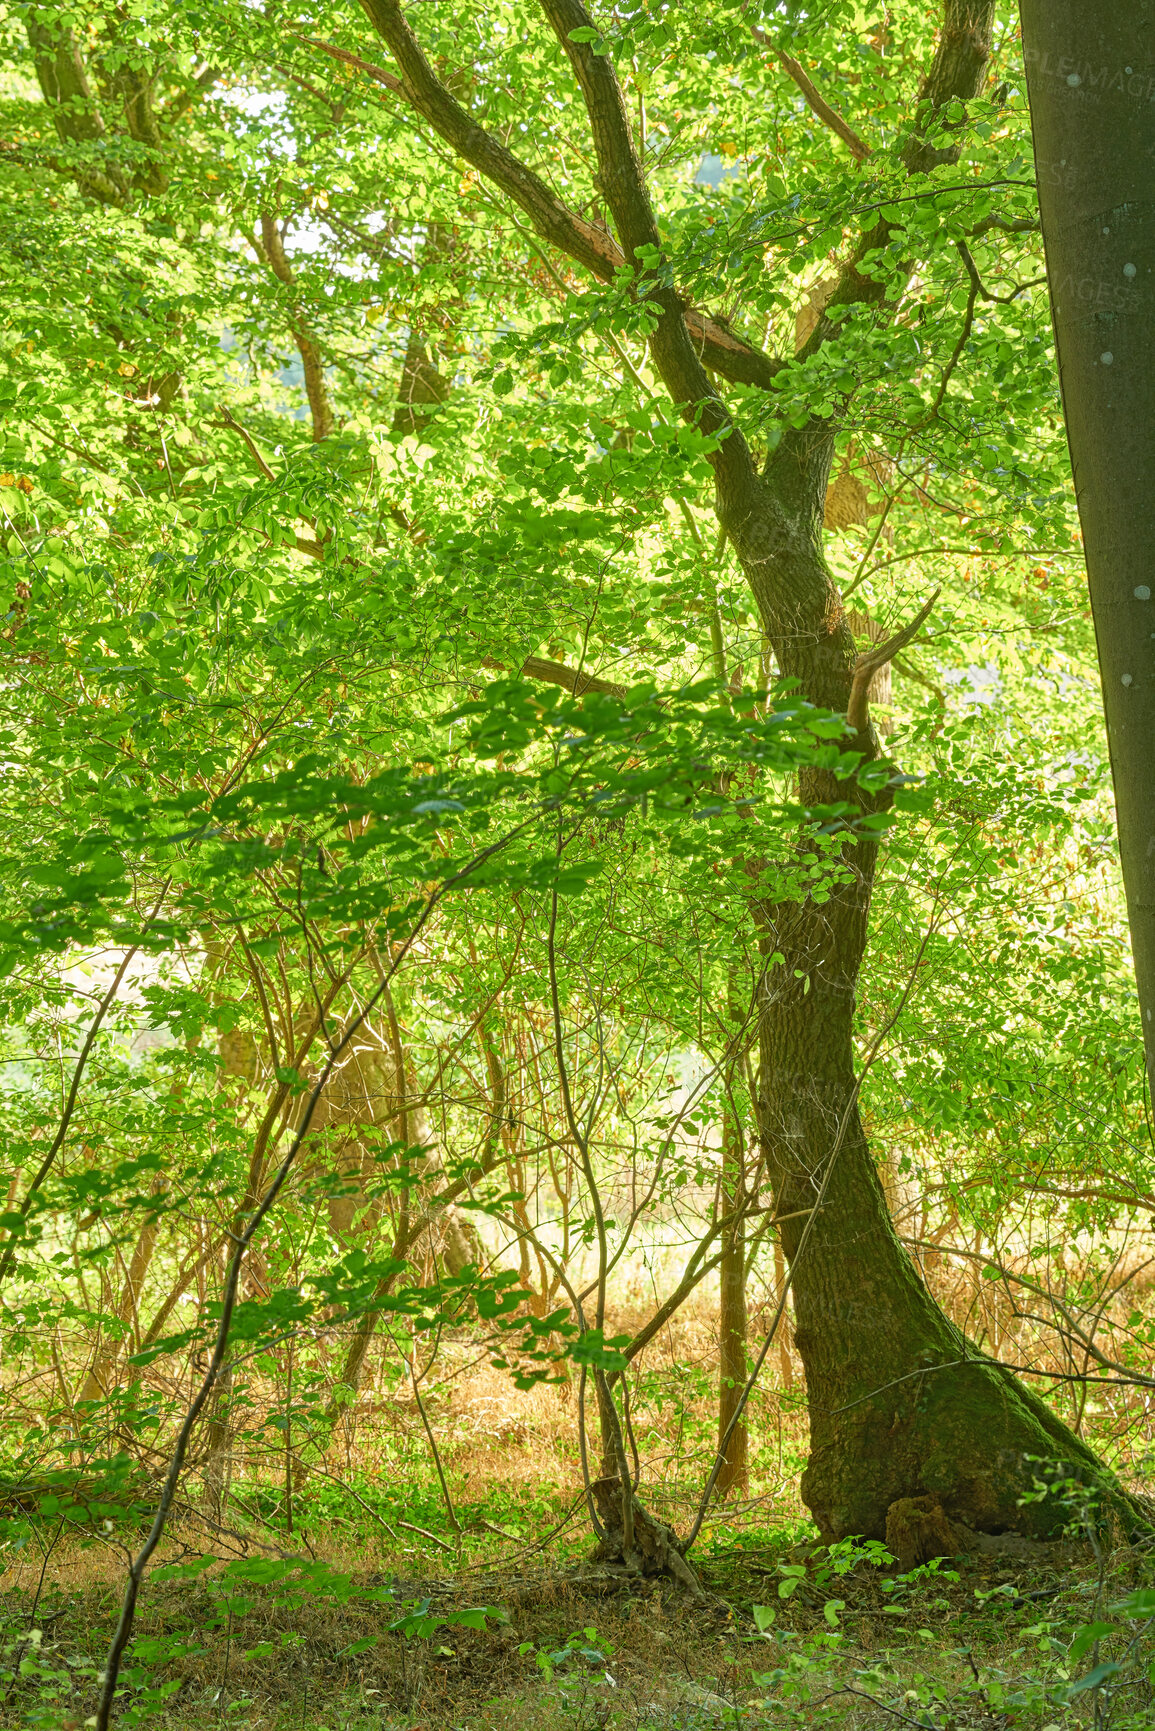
(1091, 83)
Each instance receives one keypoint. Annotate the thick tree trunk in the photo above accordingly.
(1091, 82)
(900, 1403)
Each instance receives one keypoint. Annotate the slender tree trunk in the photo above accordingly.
(732, 1368)
(1091, 83)
(101, 1374)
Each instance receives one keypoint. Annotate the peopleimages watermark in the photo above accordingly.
(1095, 80)
(1090, 291)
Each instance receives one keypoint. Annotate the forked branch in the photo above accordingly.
(586, 243)
(621, 179)
(874, 660)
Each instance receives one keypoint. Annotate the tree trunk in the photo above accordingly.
(421, 390)
(732, 1370)
(100, 1378)
(1091, 83)
(900, 1403)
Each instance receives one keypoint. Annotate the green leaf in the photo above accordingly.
(1094, 1679)
(1086, 1637)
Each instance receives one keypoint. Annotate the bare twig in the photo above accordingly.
(9, 1255)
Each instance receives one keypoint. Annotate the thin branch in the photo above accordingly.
(242, 1241)
(9, 1255)
(377, 73)
(985, 294)
(829, 116)
(231, 425)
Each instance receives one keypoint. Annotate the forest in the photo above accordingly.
(577, 910)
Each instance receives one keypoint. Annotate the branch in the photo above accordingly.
(956, 355)
(242, 1236)
(102, 1009)
(829, 116)
(377, 73)
(234, 426)
(1068, 1329)
(586, 243)
(975, 293)
(63, 80)
(556, 673)
(984, 293)
(272, 249)
(315, 549)
(622, 182)
(1004, 225)
(956, 74)
(201, 85)
(865, 668)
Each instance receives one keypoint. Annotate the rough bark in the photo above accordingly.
(1091, 83)
(650, 1548)
(900, 1404)
(76, 115)
(420, 391)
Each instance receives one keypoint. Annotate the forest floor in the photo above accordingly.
(977, 1644)
(364, 1601)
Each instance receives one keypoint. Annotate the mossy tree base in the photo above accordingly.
(969, 1435)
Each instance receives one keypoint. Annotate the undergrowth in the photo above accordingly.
(484, 1628)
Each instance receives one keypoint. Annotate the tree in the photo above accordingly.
(1094, 129)
(899, 1404)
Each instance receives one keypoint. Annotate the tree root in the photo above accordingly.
(654, 1550)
